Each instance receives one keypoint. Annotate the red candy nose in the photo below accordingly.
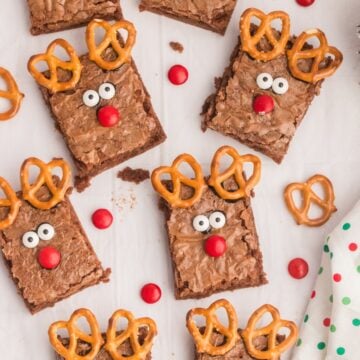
(263, 104)
(108, 116)
(49, 258)
(215, 246)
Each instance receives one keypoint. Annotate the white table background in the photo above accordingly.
(135, 247)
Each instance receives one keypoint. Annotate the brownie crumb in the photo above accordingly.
(133, 175)
(176, 46)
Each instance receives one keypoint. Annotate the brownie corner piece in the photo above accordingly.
(48, 16)
(41, 287)
(210, 15)
(196, 274)
(230, 112)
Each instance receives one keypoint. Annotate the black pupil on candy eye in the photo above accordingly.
(30, 239)
(265, 79)
(201, 223)
(281, 84)
(217, 219)
(91, 97)
(107, 89)
(46, 231)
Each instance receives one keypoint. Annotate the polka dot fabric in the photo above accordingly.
(331, 324)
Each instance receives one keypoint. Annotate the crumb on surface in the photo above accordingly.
(176, 46)
(133, 175)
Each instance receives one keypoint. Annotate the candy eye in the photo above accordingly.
(107, 91)
(30, 239)
(201, 223)
(91, 98)
(264, 81)
(280, 86)
(217, 219)
(46, 231)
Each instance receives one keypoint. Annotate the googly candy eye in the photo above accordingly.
(201, 223)
(30, 239)
(280, 86)
(217, 219)
(45, 231)
(264, 81)
(91, 98)
(107, 91)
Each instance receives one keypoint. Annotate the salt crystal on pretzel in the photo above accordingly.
(11, 202)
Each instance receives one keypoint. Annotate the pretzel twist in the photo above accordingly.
(11, 201)
(54, 63)
(318, 55)
(203, 341)
(12, 94)
(94, 339)
(131, 333)
(110, 39)
(235, 170)
(250, 42)
(45, 177)
(274, 350)
(309, 197)
(178, 179)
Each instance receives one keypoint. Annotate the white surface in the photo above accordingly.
(136, 246)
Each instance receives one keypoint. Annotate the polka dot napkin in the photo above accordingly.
(331, 325)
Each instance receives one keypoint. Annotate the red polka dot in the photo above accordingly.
(337, 277)
(353, 247)
(313, 294)
(327, 322)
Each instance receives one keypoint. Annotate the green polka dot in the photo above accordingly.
(320, 270)
(306, 318)
(321, 345)
(299, 342)
(331, 298)
(332, 328)
(326, 248)
(331, 255)
(340, 351)
(356, 322)
(346, 226)
(346, 300)
(358, 269)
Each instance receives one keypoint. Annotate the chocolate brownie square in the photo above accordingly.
(230, 110)
(52, 15)
(198, 275)
(211, 15)
(96, 148)
(79, 266)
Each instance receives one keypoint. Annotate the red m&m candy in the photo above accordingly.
(298, 268)
(178, 75)
(151, 293)
(215, 246)
(305, 2)
(263, 104)
(108, 116)
(102, 218)
(49, 258)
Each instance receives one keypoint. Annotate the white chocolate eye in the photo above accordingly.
(107, 91)
(91, 98)
(201, 223)
(280, 86)
(30, 239)
(264, 81)
(217, 219)
(46, 231)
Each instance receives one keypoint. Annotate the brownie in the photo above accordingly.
(79, 267)
(136, 176)
(198, 275)
(125, 349)
(211, 15)
(230, 110)
(52, 15)
(93, 147)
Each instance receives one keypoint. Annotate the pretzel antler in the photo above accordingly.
(274, 350)
(203, 340)
(54, 63)
(249, 42)
(75, 334)
(111, 39)
(131, 333)
(309, 196)
(45, 177)
(318, 55)
(11, 201)
(235, 170)
(11, 94)
(174, 197)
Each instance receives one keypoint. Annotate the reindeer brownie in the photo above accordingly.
(53, 15)
(270, 83)
(134, 342)
(99, 101)
(43, 243)
(219, 340)
(212, 236)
